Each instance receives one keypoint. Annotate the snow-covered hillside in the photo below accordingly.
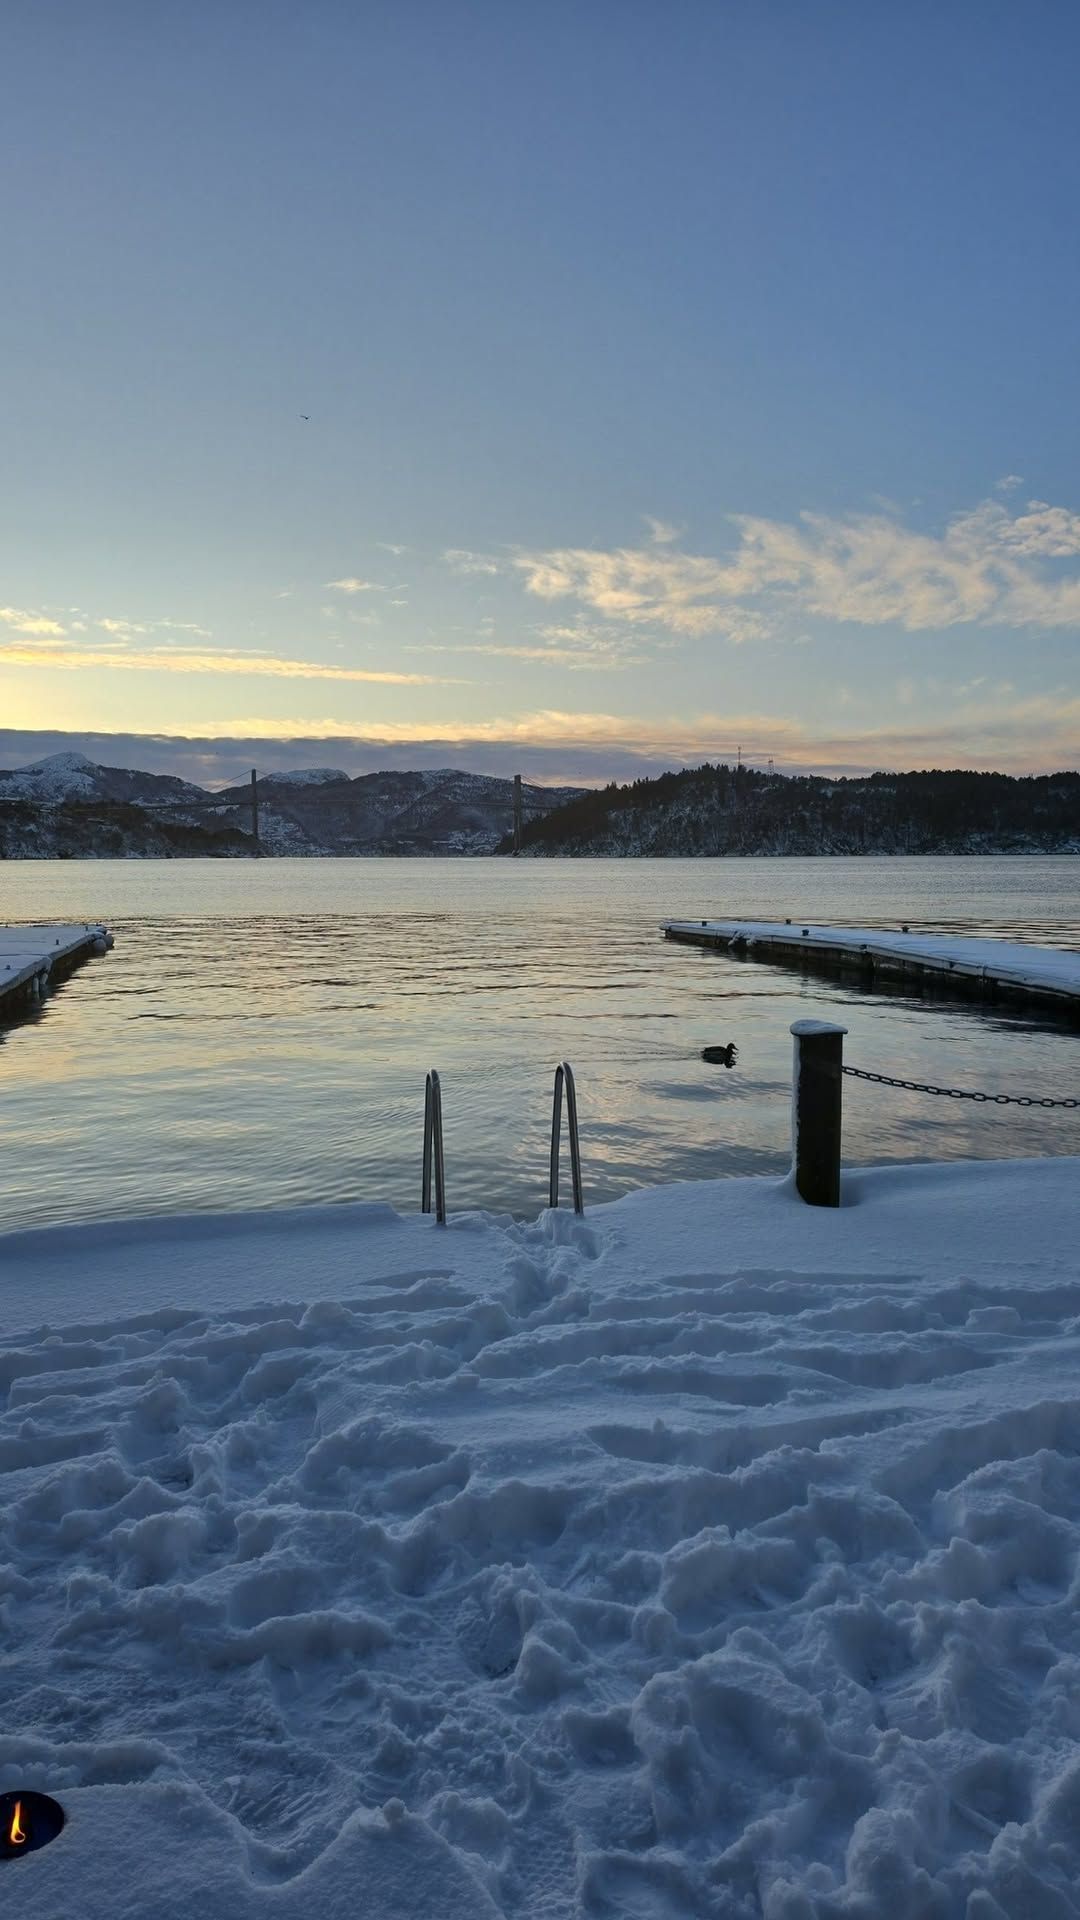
(306, 777)
(62, 776)
(68, 806)
(72, 777)
(445, 811)
(713, 1558)
(740, 810)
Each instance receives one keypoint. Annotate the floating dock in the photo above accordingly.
(985, 969)
(31, 958)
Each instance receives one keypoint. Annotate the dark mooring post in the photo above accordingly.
(517, 813)
(255, 808)
(816, 1106)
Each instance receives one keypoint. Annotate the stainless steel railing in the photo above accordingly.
(433, 1143)
(564, 1077)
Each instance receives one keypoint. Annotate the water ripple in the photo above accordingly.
(260, 1034)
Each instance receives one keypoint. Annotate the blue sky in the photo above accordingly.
(679, 378)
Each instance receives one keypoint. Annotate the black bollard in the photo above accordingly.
(816, 1109)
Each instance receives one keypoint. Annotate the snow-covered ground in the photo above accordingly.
(712, 1556)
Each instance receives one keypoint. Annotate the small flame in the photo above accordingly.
(17, 1832)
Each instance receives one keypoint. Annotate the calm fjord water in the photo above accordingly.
(260, 1034)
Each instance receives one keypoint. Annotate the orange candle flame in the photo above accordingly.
(17, 1832)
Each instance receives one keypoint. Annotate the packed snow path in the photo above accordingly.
(1037, 975)
(715, 1556)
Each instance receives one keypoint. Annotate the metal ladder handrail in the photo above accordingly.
(433, 1149)
(564, 1073)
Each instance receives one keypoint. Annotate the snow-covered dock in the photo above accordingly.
(30, 957)
(714, 1556)
(990, 969)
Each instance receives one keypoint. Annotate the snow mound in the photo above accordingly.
(713, 1556)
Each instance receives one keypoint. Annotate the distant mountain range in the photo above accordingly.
(737, 810)
(69, 807)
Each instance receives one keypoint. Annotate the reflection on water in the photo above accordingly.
(260, 1034)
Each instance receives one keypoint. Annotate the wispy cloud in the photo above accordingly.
(42, 625)
(546, 655)
(591, 644)
(350, 584)
(391, 546)
(460, 560)
(644, 586)
(1043, 529)
(990, 565)
(24, 621)
(578, 646)
(189, 661)
(661, 532)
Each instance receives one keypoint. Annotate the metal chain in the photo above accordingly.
(959, 1093)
